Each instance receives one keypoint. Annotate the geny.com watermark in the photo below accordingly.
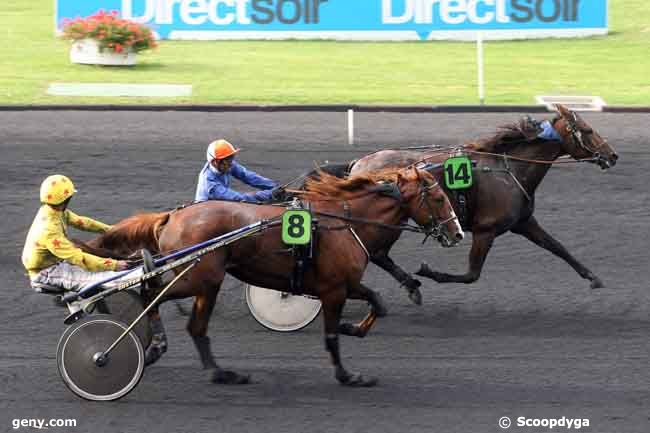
(548, 423)
(41, 423)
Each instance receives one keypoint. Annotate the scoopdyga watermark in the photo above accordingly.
(545, 423)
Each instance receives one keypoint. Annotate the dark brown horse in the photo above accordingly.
(510, 167)
(368, 209)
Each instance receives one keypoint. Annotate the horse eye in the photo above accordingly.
(440, 200)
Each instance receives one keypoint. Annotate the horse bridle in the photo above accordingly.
(433, 228)
(576, 134)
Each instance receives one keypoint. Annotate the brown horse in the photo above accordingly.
(510, 167)
(354, 216)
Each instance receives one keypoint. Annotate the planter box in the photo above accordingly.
(86, 51)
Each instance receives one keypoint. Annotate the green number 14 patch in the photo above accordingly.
(296, 227)
(458, 172)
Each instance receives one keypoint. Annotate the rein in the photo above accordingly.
(433, 229)
(533, 161)
(401, 227)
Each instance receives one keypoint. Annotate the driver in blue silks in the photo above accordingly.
(216, 176)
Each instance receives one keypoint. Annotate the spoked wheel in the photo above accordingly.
(280, 311)
(78, 350)
(127, 306)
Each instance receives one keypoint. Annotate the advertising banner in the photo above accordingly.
(354, 19)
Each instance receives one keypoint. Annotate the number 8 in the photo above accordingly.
(296, 226)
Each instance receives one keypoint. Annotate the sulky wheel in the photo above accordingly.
(279, 311)
(126, 306)
(82, 343)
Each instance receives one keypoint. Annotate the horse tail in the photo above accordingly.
(135, 232)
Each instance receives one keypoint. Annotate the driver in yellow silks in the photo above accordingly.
(50, 258)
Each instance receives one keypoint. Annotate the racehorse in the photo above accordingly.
(510, 167)
(364, 208)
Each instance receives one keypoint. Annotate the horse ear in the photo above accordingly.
(562, 110)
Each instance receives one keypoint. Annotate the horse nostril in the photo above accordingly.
(615, 157)
(459, 236)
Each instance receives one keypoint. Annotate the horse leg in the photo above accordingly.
(332, 308)
(532, 231)
(198, 327)
(365, 293)
(407, 281)
(377, 310)
(158, 344)
(360, 329)
(481, 244)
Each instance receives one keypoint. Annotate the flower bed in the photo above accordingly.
(111, 36)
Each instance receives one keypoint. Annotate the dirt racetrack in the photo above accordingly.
(529, 339)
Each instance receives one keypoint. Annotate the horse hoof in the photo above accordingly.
(415, 296)
(349, 329)
(227, 377)
(152, 355)
(597, 284)
(424, 270)
(358, 381)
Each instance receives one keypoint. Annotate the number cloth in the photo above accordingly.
(458, 172)
(296, 227)
(214, 185)
(47, 242)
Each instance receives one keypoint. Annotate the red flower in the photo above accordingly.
(56, 243)
(110, 31)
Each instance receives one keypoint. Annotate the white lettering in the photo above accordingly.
(242, 17)
(128, 13)
(387, 12)
(453, 11)
(449, 11)
(502, 17)
(213, 12)
(472, 12)
(191, 7)
(165, 11)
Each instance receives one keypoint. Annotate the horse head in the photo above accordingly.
(428, 205)
(581, 141)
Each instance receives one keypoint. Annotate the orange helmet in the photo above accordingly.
(220, 149)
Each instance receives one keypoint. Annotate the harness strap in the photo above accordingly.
(363, 247)
(512, 175)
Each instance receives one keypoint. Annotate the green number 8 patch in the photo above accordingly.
(296, 227)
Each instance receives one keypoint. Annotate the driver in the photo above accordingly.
(50, 258)
(216, 176)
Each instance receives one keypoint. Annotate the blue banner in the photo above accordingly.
(353, 19)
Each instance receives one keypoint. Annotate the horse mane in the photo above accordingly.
(135, 232)
(325, 186)
(508, 136)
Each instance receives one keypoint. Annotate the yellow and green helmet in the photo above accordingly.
(56, 189)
